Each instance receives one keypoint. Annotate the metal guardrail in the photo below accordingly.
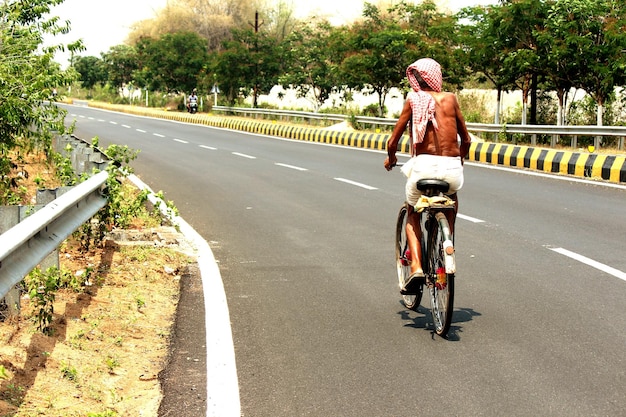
(26, 244)
(533, 130)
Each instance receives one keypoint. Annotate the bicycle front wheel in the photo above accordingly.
(403, 259)
(440, 275)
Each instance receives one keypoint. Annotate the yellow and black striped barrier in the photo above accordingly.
(582, 164)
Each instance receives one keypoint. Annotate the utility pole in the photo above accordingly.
(256, 27)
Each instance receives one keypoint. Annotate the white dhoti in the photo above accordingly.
(446, 168)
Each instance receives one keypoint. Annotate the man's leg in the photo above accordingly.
(414, 237)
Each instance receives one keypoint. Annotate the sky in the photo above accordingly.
(105, 23)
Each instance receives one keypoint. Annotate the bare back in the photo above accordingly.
(450, 122)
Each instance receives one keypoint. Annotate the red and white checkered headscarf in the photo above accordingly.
(422, 103)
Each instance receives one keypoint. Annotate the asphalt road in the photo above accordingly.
(303, 234)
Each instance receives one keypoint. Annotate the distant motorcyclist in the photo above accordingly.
(192, 102)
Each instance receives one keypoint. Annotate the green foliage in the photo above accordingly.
(28, 77)
(172, 63)
(13, 394)
(28, 73)
(91, 71)
(69, 372)
(120, 62)
(42, 287)
(249, 64)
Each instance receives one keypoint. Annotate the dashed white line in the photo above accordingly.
(470, 219)
(180, 140)
(243, 155)
(141, 130)
(126, 126)
(112, 122)
(358, 184)
(595, 264)
(208, 147)
(291, 167)
(158, 135)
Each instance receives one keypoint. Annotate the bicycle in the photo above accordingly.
(438, 261)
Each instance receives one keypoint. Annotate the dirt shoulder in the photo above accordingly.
(109, 341)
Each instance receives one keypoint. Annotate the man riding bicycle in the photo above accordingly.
(434, 120)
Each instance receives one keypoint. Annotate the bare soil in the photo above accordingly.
(109, 339)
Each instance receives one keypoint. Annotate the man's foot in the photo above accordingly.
(413, 285)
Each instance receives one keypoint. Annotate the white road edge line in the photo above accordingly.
(358, 184)
(290, 166)
(180, 140)
(468, 218)
(595, 264)
(222, 383)
(243, 155)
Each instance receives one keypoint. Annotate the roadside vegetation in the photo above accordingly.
(550, 50)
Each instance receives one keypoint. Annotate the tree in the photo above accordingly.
(174, 62)
(480, 38)
(120, 62)
(249, 64)
(520, 21)
(312, 70)
(591, 36)
(91, 71)
(380, 51)
(213, 20)
(28, 76)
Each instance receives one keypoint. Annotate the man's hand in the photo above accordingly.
(390, 162)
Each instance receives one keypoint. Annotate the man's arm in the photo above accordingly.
(398, 131)
(466, 139)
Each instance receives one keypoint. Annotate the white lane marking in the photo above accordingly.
(358, 184)
(595, 264)
(90, 118)
(243, 155)
(291, 167)
(158, 135)
(112, 122)
(101, 120)
(141, 130)
(468, 218)
(126, 126)
(180, 141)
(221, 369)
(208, 147)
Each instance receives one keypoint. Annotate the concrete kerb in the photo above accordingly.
(611, 168)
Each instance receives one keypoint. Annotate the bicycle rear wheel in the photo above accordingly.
(403, 259)
(440, 277)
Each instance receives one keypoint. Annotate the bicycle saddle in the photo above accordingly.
(425, 185)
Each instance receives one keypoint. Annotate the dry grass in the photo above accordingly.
(108, 342)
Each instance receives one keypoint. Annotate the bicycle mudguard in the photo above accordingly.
(448, 246)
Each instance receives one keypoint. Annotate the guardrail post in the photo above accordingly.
(620, 144)
(9, 217)
(574, 142)
(533, 139)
